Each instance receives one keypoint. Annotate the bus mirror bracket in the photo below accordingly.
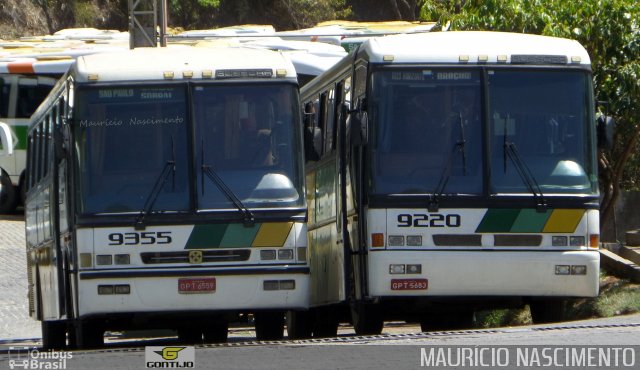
(6, 138)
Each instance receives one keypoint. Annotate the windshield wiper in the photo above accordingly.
(169, 168)
(511, 151)
(459, 146)
(247, 216)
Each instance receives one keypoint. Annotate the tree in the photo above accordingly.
(609, 30)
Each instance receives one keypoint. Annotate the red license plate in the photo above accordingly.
(196, 285)
(409, 284)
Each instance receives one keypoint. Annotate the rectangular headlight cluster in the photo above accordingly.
(399, 240)
(571, 269)
(108, 259)
(564, 241)
(114, 289)
(397, 269)
(281, 254)
(279, 285)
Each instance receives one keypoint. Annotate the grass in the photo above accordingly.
(617, 297)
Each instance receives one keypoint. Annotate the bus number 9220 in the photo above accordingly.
(428, 220)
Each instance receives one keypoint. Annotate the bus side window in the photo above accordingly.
(313, 133)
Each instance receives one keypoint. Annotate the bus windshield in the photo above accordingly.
(429, 130)
(126, 136)
(243, 153)
(247, 135)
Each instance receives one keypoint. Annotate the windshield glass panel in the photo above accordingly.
(126, 138)
(543, 115)
(248, 136)
(426, 126)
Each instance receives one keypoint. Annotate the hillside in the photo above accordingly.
(20, 18)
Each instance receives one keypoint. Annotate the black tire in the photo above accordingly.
(325, 323)
(367, 320)
(217, 332)
(448, 321)
(269, 325)
(89, 335)
(299, 325)
(8, 194)
(189, 335)
(54, 335)
(546, 311)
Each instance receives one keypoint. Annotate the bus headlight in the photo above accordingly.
(559, 241)
(104, 259)
(577, 241)
(267, 255)
(396, 240)
(414, 240)
(285, 254)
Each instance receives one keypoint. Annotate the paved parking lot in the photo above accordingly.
(14, 313)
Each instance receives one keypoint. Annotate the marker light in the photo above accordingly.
(377, 240)
(86, 260)
(207, 73)
(594, 241)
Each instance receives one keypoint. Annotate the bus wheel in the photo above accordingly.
(367, 320)
(447, 321)
(8, 196)
(89, 335)
(269, 325)
(547, 310)
(216, 332)
(189, 335)
(54, 334)
(299, 324)
(325, 324)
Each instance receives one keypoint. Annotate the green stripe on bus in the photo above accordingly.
(239, 236)
(21, 134)
(206, 236)
(498, 221)
(530, 221)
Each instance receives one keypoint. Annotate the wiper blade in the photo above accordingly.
(169, 167)
(511, 151)
(526, 175)
(248, 217)
(459, 146)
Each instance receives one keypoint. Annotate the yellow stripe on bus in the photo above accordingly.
(272, 234)
(563, 221)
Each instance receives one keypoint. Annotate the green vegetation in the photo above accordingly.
(617, 297)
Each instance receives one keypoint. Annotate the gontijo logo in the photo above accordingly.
(170, 357)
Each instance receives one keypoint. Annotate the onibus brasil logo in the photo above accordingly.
(170, 357)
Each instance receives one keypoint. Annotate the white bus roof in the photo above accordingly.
(186, 63)
(472, 47)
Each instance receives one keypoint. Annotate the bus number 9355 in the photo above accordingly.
(429, 220)
(144, 238)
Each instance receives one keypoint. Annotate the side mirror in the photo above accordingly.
(6, 139)
(605, 127)
(313, 144)
(359, 127)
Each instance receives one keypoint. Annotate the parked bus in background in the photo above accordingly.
(448, 173)
(28, 71)
(167, 195)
